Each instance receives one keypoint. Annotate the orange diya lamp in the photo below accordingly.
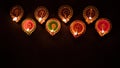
(77, 28)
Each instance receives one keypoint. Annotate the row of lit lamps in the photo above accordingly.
(65, 12)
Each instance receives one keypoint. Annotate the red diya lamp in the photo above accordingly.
(65, 12)
(28, 26)
(16, 13)
(53, 26)
(90, 13)
(103, 26)
(41, 14)
(77, 28)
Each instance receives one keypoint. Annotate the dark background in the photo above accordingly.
(19, 50)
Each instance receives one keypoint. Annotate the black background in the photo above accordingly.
(19, 50)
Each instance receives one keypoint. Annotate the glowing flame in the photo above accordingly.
(27, 29)
(65, 20)
(90, 17)
(52, 30)
(75, 33)
(40, 19)
(102, 31)
(15, 19)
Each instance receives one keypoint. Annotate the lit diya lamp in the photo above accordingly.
(65, 12)
(28, 26)
(53, 26)
(41, 14)
(103, 26)
(16, 13)
(77, 28)
(90, 14)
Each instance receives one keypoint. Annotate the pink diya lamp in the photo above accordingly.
(103, 26)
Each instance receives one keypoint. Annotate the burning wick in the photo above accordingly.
(65, 20)
(27, 29)
(102, 31)
(90, 17)
(76, 33)
(52, 31)
(90, 14)
(15, 19)
(40, 19)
